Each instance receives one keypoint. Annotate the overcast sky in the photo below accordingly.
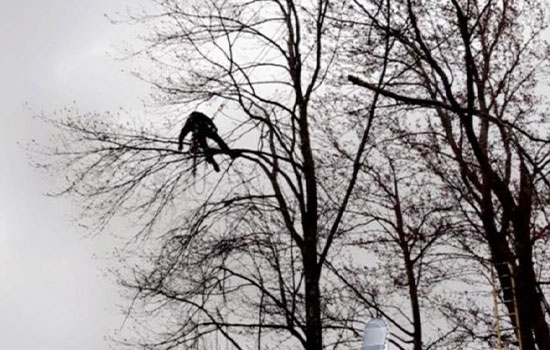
(53, 294)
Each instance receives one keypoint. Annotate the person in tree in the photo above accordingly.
(202, 127)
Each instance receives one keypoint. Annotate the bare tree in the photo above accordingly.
(244, 259)
(472, 67)
(414, 240)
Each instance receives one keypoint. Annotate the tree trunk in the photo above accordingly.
(415, 305)
(312, 270)
(529, 300)
(409, 268)
(314, 336)
(530, 305)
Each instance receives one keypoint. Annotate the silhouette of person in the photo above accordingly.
(202, 127)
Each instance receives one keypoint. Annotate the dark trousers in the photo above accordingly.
(201, 140)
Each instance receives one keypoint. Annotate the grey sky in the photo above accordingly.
(53, 294)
